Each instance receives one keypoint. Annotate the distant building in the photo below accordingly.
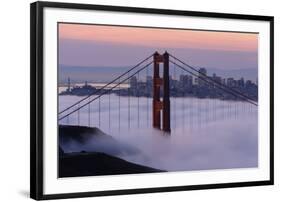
(241, 83)
(68, 85)
(183, 81)
(173, 82)
(202, 73)
(196, 81)
(186, 81)
(217, 78)
(149, 81)
(230, 82)
(133, 82)
(189, 81)
(249, 84)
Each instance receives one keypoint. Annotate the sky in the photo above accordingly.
(103, 46)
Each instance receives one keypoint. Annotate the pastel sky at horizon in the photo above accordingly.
(98, 46)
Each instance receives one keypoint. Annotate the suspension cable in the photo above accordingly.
(213, 80)
(106, 92)
(114, 80)
(247, 100)
(78, 116)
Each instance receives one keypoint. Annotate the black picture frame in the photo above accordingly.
(36, 98)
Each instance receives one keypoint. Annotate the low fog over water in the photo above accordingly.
(205, 133)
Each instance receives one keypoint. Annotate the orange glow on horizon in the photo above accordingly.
(161, 38)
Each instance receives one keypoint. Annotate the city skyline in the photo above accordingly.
(182, 85)
(209, 72)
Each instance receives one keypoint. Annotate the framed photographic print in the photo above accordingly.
(137, 100)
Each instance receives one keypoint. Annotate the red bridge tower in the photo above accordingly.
(161, 108)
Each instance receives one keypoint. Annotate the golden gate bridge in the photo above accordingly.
(161, 104)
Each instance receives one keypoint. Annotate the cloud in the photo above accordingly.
(206, 134)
